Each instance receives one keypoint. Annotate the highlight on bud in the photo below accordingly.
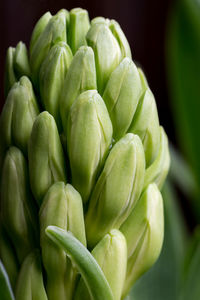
(78, 27)
(17, 210)
(111, 255)
(144, 231)
(106, 50)
(54, 32)
(121, 38)
(45, 156)
(117, 189)
(38, 29)
(89, 136)
(17, 65)
(121, 96)
(52, 74)
(81, 76)
(158, 170)
(30, 283)
(18, 115)
(146, 124)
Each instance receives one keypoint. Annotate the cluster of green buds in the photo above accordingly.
(83, 159)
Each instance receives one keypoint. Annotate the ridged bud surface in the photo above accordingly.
(45, 155)
(117, 189)
(88, 139)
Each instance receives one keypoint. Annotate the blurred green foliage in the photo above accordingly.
(183, 67)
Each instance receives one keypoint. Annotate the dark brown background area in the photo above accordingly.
(143, 21)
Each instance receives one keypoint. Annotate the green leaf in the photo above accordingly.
(183, 64)
(86, 264)
(5, 288)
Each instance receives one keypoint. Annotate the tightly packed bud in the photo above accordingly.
(30, 283)
(80, 77)
(117, 189)
(45, 155)
(62, 206)
(79, 25)
(38, 29)
(106, 50)
(89, 137)
(146, 125)
(17, 210)
(18, 116)
(158, 170)
(52, 74)
(54, 32)
(121, 96)
(17, 65)
(111, 255)
(143, 230)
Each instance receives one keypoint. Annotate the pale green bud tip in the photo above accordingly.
(52, 74)
(146, 124)
(117, 189)
(158, 170)
(121, 38)
(21, 62)
(106, 50)
(78, 28)
(111, 255)
(89, 137)
(30, 283)
(46, 157)
(144, 231)
(121, 96)
(10, 77)
(38, 29)
(81, 76)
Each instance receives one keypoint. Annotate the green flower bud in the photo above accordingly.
(88, 139)
(54, 32)
(62, 206)
(38, 29)
(18, 116)
(78, 28)
(106, 50)
(8, 257)
(100, 20)
(121, 38)
(143, 80)
(45, 155)
(81, 76)
(111, 255)
(10, 77)
(143, 230)
(146, 124)
(118, 34)
(51, 77)
(17, 65)
(21, 63)
(117, 189)
(158, 170)
(121, 96)
(17, 210)
(30, 284)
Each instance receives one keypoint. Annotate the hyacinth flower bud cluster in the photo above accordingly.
(82, 161)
